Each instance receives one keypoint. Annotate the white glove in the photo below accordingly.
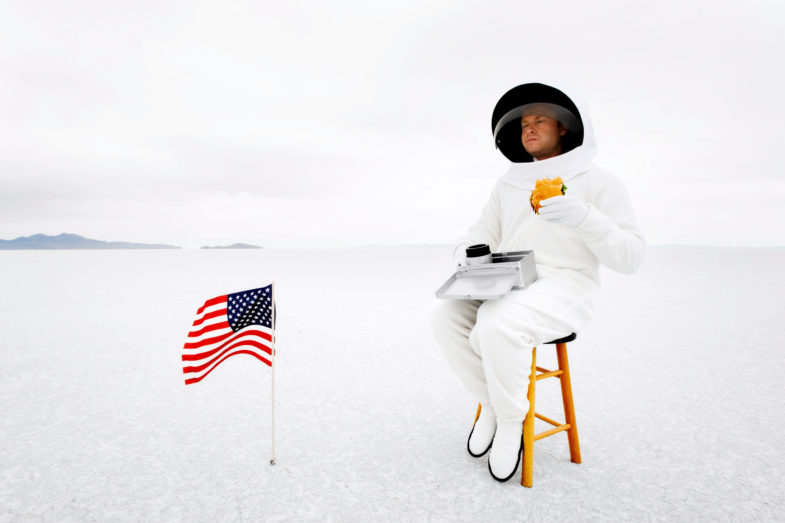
(566, 210)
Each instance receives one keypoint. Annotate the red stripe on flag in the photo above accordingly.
(251, 353)
(209, 316)
(207, 341)
(240, 343)
(211, 302)
(209, 328)
(251, 332)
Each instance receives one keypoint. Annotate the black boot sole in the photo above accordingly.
(472, 454)
(502, 480)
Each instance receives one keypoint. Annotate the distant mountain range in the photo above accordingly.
(233, 246)
(73, 241)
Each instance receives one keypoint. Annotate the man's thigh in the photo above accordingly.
(549, 308)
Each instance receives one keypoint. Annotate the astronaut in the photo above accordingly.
(545, 134)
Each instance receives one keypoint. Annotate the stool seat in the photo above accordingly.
(566, 339)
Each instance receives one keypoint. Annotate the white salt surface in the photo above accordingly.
(677, 385)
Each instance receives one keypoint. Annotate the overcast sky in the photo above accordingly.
(312, 124)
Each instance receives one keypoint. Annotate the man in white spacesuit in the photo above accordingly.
(545, 134)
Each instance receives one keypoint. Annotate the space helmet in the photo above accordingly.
(533, 98)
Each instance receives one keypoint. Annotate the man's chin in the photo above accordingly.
(532, 151)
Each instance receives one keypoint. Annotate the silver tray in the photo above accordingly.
(507, 271)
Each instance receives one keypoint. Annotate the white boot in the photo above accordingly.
(482, 433)
(506, 450)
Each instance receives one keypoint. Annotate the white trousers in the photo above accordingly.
(489, 343)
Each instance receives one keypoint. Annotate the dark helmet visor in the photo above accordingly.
(557, 112)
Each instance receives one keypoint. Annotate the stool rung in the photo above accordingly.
(549, 374)
(548, 420)
(551, 432)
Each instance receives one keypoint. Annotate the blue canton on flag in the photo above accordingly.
(249, 308)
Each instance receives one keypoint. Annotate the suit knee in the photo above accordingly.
(452, 314)
(439, 314)
(495, 332)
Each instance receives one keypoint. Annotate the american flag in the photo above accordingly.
(239, 323)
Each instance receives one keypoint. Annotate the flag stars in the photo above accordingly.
(249, 308)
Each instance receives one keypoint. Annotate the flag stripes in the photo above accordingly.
(245, 333)
(209, 315)
(209, 328)
(250, 353)
(211, 302)
(256, 344)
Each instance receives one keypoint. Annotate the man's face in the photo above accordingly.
(541, 136)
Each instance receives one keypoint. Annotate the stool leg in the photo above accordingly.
(528, 428)
(569, 407)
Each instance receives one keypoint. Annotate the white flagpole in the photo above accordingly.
(272, 360)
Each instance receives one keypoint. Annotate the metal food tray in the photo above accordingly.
(507, 271)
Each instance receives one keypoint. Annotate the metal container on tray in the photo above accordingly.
(507, 271)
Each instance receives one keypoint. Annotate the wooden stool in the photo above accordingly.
(529, 437)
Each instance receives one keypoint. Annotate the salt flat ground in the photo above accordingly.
(677, 383)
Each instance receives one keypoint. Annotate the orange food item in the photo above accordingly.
(545, 189)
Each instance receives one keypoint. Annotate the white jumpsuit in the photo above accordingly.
(488, 343)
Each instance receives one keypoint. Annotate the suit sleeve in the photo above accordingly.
(611, 231)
